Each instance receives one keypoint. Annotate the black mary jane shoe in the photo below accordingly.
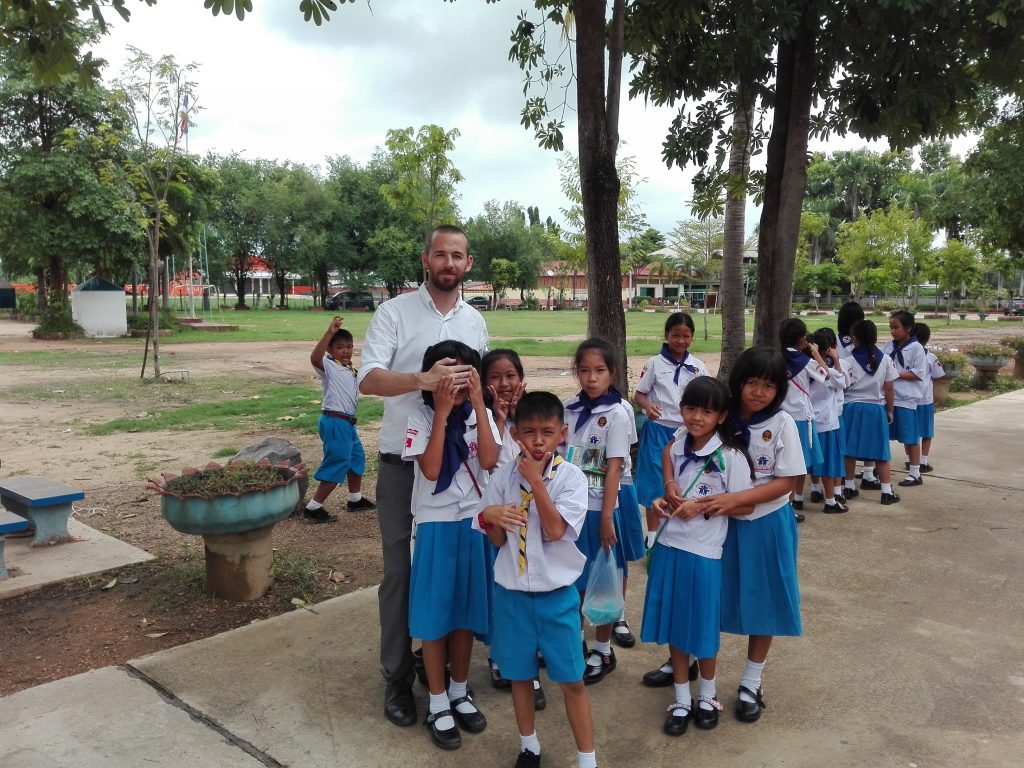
(622, 636)
(750, 711)
(817, 497)
(497, 680)
(677, 721)
(871, 485)
(449, 738)
(474, 721)
(910, 481)
(850, 493)
(660, 677)
(318, 516)
(540, 701)
(596, 673)
(706, 719)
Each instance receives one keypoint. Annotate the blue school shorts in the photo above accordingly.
(343, 451)
(528, 622)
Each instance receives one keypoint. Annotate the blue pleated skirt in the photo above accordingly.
(867, 431)
(809, 443)
(634, 547)
(589, 542)
(926, 420)
(449, 587)
(682, 606)
(649, 484)
(904, 428)
(760, 592)
(831, 464)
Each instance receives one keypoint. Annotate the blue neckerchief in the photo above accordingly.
(679, 364)
(586, 406)
(897, 350)
(741, 428)
(691, 456)
(455, 449)
(796, 361)
(846, 341)
(869, 359)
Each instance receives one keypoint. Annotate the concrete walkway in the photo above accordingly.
(912, 656)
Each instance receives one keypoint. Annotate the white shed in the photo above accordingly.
(99, 307)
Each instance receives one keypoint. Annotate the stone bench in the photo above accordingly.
(9, 523)
(45, 503)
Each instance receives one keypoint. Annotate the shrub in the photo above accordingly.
(139, 321)
(1016, 343)
(27, 304)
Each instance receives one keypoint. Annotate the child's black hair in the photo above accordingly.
(679, 318)
(906, 318)
(826, 339)
(710, 393)
(600, 346)
(759, 363)
(501, 354)
(539, 406)
(850, 313)
(923, 333)
(791, 330)
(340, 335)
(866, 332)
(462, 353)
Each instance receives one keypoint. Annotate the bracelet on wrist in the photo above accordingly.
(484, 525)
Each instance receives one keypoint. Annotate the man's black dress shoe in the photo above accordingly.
(750, 711)
(399, 704)
(446, 739)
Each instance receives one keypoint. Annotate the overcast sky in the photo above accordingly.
(276, 87)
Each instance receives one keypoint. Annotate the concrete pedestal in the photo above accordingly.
(238, 564)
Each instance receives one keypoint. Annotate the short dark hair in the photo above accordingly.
(759, 363)
(906, 318)
(463, 353)
(501, 354)
(539, 406)
(791, 330)
(825, 338)
(679, 318)
(849, 314)
(448, 229)
(602, 347)
(865, 332)
(340, 335)
(923, 333)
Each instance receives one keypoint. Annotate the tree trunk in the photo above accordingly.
(154, 307)
(731, 293)
(785, 179)
(599, 180)
(41, 290)
(165, 285)
(56, 293)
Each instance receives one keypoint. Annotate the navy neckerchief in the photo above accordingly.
(846, 341)
(679, 364)
(741, 427)
(586, 406)
(691, 456)
(897, 349)
(869, 358)
(796, 361)
(455, 449)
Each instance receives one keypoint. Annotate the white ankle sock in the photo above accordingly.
(586, 760)
(915, 470)
(886, 487)
(604, 648)
(313, 506)
(869, 474)
(530, 742)
(354, 496)
(683, 694)
(924, 460)
(751, 679)
(798, 497)
(457, 691)
(852, 485)
(709, 690)
(816, 487)
(439, 703)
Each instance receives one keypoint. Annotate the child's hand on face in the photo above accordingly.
(476, 391)
(444, 396)
(531, 467)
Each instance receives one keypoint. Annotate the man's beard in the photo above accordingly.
(445, 282)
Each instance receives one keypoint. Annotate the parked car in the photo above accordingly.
(1015, 307)
(480, 303)
(350, 300)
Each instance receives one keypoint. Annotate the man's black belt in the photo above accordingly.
(394, 459)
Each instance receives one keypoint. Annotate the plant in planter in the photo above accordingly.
(1015, 343)
(952, 363)
(234, 509)
(987, 359)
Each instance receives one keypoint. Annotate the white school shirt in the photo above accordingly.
(934, 371)
(699, 536)
(862, 387)
(460, 499)
(549, 564)
(656, 381)
(401, 330)
(627, 461)
(775, 451)
(798, 394)
(908, 393)
(608, 428)
(508, 448)
(845, 348)
(826, 401)
(339, 386)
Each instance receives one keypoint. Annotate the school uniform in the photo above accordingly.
(536, 607)
(682, 605)
(805, 375)
(449, 582)
(634, 547)
(825, 401)
(604, 432)
(343, 451)
(908, 356)
(864, 415)
(926, 408)
(760, 592)
(662, 380)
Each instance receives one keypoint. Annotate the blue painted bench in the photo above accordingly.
(45, 503)
(9, 523)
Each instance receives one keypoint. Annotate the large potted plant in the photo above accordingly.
(1015, 343)
(952, 363)
(234, 508)
(987, 360)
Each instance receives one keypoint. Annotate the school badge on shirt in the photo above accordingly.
(766, 435)
(602, 421)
